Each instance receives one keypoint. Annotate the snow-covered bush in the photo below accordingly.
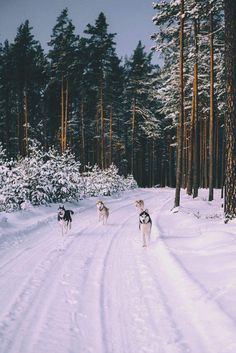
(130, 182)
(106, 182)
(46, 177)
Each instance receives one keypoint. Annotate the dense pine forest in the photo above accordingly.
(165, 124)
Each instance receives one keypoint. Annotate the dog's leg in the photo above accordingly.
(62, 229)
(144, 240)
(66, 227)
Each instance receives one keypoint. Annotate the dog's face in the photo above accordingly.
(139, 203)
(99, 204)
(61, 211)
(144, 217)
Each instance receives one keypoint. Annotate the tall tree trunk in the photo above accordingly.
(66, 115)
(111, 131)
(26, 140)
(184, 154)
(20, 114)
(133, 138)
(205, 153)
(196, 119)
(190, 145)
(102, 126)
(62, 115)
(230, 116)
(153, 162)
(181, 112)
(212, 113)
(97, 140)
(82, 134)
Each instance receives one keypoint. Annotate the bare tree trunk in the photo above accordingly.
(97, 140)
(181, 112)
(205, 154)
(26, 142)
(66, 116)
(102, 126)
(196, 119)
(133, 137)
(62, 115)
(190, 146)
(82, 134)
(230, 116)
(111, 131)
(212, 113)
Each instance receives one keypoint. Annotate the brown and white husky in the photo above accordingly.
(139, 204)
(103, 212)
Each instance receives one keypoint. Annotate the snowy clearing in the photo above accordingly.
(97, 290)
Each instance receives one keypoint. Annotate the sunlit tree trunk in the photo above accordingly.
(212, 113)
(230, 116)
(181, 112)
(196, 119)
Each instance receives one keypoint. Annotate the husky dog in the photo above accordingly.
(64, 217)
(145, 225)
(139, 204)
(103, 212)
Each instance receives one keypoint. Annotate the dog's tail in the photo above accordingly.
(71, 212)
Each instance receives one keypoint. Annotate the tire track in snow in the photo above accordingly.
(26, 293)
(141, 313)
(21, 306)
(198, 314)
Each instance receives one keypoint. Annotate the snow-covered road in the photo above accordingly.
(97, 290)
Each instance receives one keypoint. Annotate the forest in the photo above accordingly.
(164, 124)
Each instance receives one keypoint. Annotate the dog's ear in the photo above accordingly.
(147, 210)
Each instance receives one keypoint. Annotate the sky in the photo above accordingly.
(130, 19)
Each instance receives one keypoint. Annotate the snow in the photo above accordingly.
(97, 290)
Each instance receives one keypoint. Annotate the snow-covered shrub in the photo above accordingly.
(105, 182)
(63, 176)
(46, 177)
(130, 182)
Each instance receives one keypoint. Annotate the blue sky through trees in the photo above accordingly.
(130, 19)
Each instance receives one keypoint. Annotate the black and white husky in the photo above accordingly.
(145, 225)
(64, 218)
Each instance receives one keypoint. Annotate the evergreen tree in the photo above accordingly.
(138, 72)
(101, 54)
(230, 117)
(62, 57)
(29, 70)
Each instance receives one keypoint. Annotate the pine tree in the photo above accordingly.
(230, 117)
(101, 53)
(138, 70)
(29, 79)
(62, 60)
